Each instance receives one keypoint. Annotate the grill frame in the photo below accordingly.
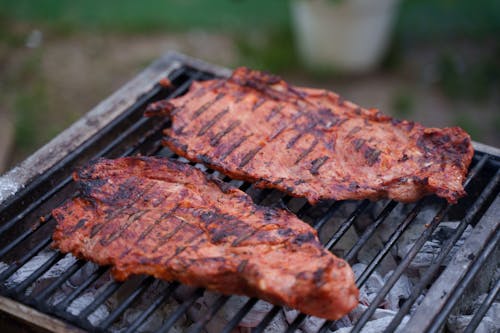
(72, 147)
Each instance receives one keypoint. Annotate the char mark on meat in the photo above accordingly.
(148, 215)
(351, 143)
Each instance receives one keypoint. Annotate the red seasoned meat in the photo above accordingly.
(164, 218)
(311, 143)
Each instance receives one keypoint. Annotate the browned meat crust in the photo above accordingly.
(311, 143)
(163, 218)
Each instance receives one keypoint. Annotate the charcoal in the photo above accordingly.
(399, 292)
(377, 325)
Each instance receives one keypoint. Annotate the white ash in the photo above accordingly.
(151, 324)
(399, 292)
(203, 305)
(83, 300)
(28, 268)
(154, 321)
(371, 248)
(377, 325)
(458, 324)
(256, 313)
(72, 283)
(290, 314)
(344, 244)
(200, 166)
(355, 314)
(489, 324)
(401, 211)
(414, 230)
(60, 267)
(8, 186)
(432, 248)
(55, 271)
(386, 310)
(371, 286)
(416, 304)
(79, 277)
(330, 227)
(81, 303)
(3, 266)
(345, 321)
(392, 221)
(376, 242)
(425, 256)
(310, 324)
(236, 183)
(278, 324)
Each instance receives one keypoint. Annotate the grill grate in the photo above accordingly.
(25, 236)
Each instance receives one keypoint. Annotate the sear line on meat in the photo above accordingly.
(311, 143)
(148, 215)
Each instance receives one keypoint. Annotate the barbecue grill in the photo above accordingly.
(40, 287)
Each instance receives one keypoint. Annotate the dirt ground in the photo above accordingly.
(45, 88)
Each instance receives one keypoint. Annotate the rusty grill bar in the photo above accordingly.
(24, 235)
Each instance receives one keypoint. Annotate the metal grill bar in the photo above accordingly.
(219, 303)
(66, 181)
(320, 222)
(389, 244)
(148, 133)
(19, 239)
(400, 269)
(267, 319)
(296, 322)
(61, 306)
(24, 259)
(43, 296)
(50, 193)
(357, 246)
(445, 250)
(406, 261)
(180, 310)
(370, 231)
(471, 273)
(346, 224)
(326, 326)
(56, 256)
(481, 312)
(239, 315)
(33, 229)
(135, 126)
(126, 303)
(328, 215)
(13, 267)
(152, 307)
(108, 291)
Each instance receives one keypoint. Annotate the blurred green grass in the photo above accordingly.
(434, 20)
(150, 15)
(418, 19)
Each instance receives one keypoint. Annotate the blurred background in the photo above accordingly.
(434, 61)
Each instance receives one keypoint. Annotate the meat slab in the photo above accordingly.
(311, 143)
(164, 218)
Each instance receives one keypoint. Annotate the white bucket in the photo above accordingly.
(345, 35)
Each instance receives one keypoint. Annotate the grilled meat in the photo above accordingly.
(164, 218)
(311, 143)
